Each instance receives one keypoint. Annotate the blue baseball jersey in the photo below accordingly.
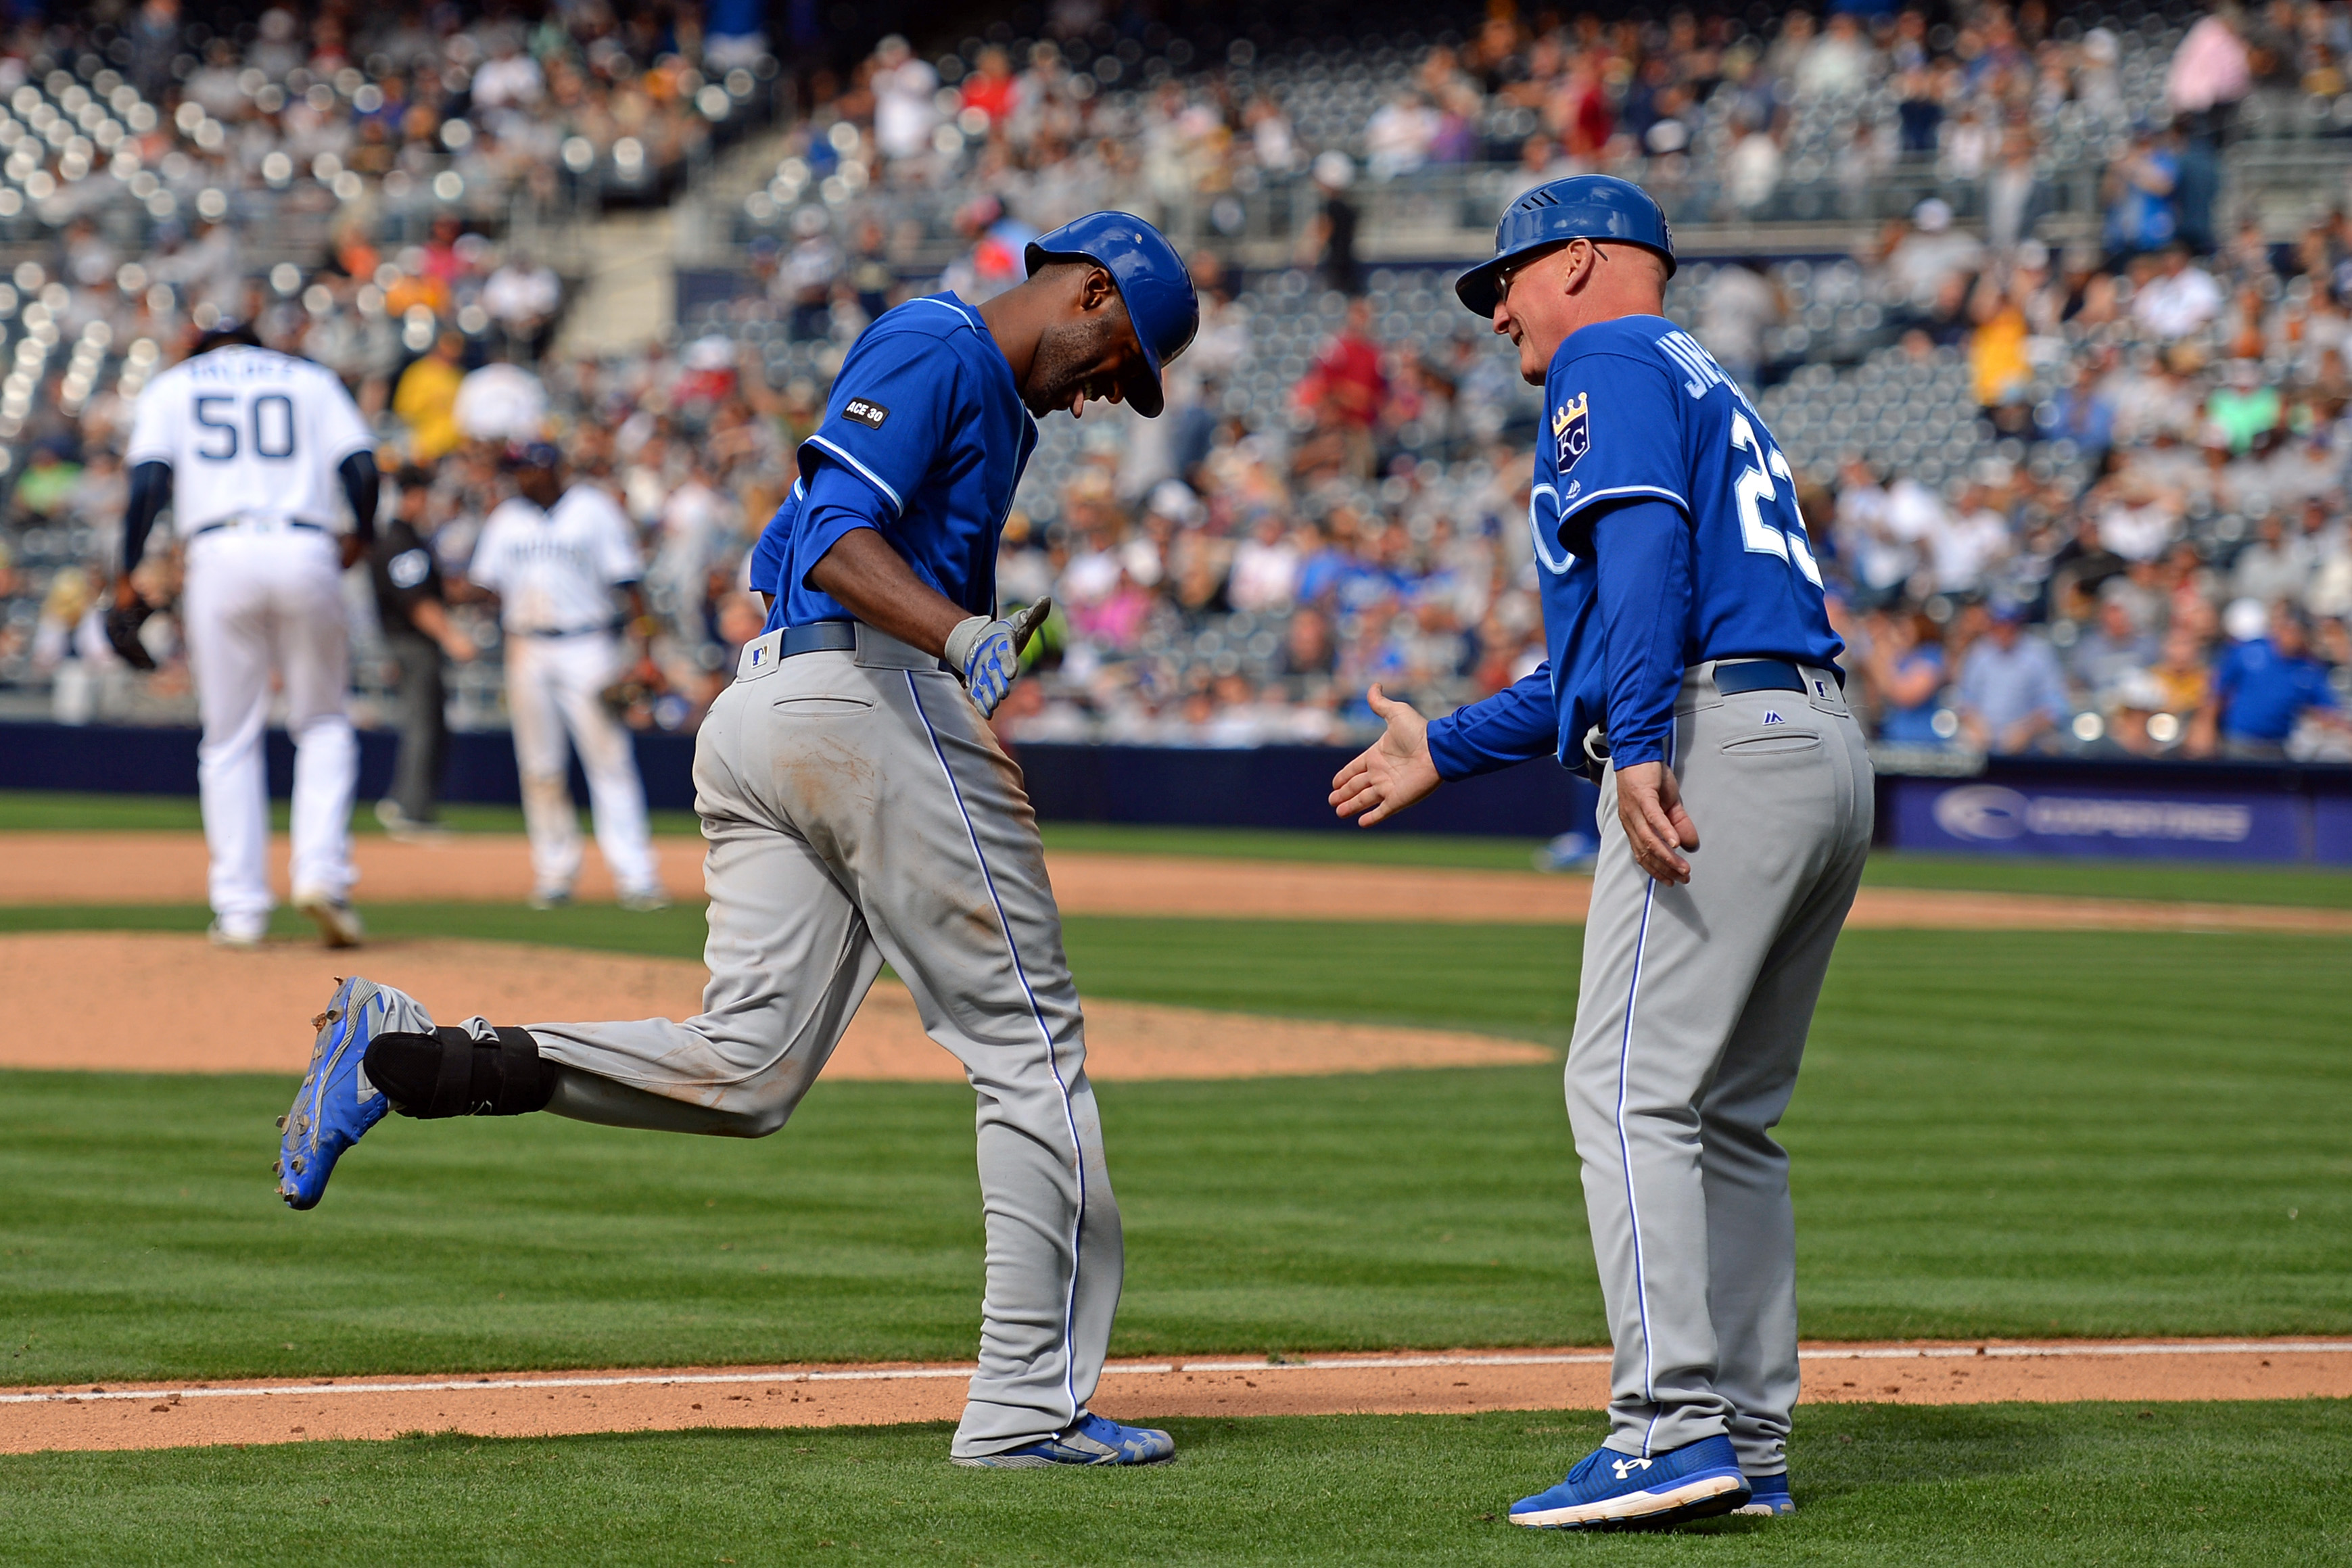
(1668, 479)
(1666, 527)
(1548, 711)
(924, 440)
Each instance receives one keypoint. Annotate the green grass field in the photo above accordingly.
(1877, 1487)
(2037, 1133)
(2079, 1134)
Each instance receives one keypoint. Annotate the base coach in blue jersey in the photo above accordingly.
(1691, 670)
(859, 811)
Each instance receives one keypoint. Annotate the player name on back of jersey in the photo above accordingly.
(250, 365)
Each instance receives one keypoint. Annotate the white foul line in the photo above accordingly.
(1149, 1368)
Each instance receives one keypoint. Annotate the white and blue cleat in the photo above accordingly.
(1093, 1441)
(1768, 1497)
(337, 1104)
(1610, 1490)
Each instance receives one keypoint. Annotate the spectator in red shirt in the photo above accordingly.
(1346, 388)
(991, 88)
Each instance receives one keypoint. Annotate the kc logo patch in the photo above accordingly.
(864, 412)
(1571, 430)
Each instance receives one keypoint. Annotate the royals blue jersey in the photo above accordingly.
(1550, 710)
(924, 440)
(1703, 553)
(1635, 408)
(1668, 475)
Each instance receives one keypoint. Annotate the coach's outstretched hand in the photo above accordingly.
(1393, 772)
(1650, 808)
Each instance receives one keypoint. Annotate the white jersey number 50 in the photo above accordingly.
(1753, 488)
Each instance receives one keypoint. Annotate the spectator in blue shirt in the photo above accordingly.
(2262, 687)
(2012, 693)
(1905, 668)
(2139, 187)
(2084, 414)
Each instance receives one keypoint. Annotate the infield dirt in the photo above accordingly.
(528, 1404)
(249, 1012)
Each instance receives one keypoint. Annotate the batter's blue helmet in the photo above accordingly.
(1151, 280)
(1582, 206)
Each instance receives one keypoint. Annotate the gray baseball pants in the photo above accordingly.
(859, 810)
(420, 716)
(1690, 1021)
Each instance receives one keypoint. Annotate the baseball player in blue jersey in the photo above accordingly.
(859, 809)
(1692, 665)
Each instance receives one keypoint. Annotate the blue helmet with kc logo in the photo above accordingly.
(1582, 206)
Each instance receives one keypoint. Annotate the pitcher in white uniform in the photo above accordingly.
(555, 554)
(247, 446)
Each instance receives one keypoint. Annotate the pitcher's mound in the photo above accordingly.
(147, 1002)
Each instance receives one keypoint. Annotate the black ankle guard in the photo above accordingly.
(450, 1073)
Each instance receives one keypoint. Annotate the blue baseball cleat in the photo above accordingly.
(1610, 1491)
(1768, 1497)
(336, 1104)
(1093, 1441)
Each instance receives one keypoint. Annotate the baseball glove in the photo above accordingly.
(123, 624)
(643, 682)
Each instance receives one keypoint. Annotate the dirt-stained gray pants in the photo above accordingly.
(859, 809)
(1690, 1020)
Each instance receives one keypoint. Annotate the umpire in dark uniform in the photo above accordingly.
(418, 633)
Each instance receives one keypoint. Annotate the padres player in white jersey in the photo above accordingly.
(554, 555)
(248, 446)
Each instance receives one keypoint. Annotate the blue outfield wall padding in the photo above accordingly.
(1284, 787)
(2057, 806)
(1267, 786)
(2070, 808)
(132, 759)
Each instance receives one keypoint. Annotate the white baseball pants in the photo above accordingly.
(255, 603)
(552, 694)
(1691, 1018)
(858, 809)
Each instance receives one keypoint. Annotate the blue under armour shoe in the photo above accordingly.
(336, 1104)
(1768, 1497)
(1093, 1441)
(1610, 1491)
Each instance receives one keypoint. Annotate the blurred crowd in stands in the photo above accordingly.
(153, 124)
(2124, 531)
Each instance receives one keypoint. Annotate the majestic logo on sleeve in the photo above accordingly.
(866, 413)
(1571, 428)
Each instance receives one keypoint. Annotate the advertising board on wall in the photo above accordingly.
(2169, 821)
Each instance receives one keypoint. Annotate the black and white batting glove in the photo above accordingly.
(988, 652)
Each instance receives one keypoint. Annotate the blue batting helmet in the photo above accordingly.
(1582, 206)
(1151, 280)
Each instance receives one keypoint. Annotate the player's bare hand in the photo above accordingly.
(1650, 806)
(350, 549)
(459, 647)
(1393, 772)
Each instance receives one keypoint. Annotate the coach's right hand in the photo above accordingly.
(1650, 809)
(1393, 772)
